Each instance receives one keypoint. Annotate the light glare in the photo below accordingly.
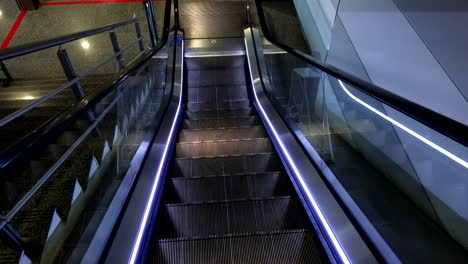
(85, 44)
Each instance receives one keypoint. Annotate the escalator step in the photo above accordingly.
(222, 134)
(223, 148)
(295, 246)
(220, 105)
(216, 77)
(184, 190)
(231, 165)
(217, 93)
(219, 114)
(232, 217)
(221, 123)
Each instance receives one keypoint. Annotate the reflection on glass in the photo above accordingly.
(407, 179)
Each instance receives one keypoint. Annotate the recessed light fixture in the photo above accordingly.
(1, 13)
(85, 44)
(28, 97)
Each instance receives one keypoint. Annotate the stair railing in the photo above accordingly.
(73, 79)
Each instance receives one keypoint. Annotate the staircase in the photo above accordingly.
(59, 222)
(24, 92)
(228, 198)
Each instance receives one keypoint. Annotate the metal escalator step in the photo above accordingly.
(216, 77)
(222, 134)
(221, 105)
(217, 62)
(217, 93)
(221, 123)
(219, 114)
(223, 148)
(292, 246)
(230, 165)
(184, 190)
(230, 217)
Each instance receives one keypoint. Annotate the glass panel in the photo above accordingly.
(391, 43)
(408, 180)
(60, 220)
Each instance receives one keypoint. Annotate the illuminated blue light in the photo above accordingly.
(408, 130)
(298, 175)
(149, 204)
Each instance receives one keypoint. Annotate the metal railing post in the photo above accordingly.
(150, 18)
(6, 72)
(141, 43)
(70, 72)
(116, 47)
(11, 238)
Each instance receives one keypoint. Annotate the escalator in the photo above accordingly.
(227, 196)
(222, 145)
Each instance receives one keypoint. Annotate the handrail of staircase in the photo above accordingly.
(28, 48)
(43, 135)
(20, 112)
(449, 127)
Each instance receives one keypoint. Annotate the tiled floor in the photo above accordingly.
(9, 12)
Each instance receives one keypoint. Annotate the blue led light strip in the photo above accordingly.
(331, 235)
(406, 129)
(157, 180)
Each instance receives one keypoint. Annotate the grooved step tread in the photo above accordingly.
(219, 114)
(223, 148)
(247, 121)
(232, 216)
(248, 186)
(221, 134)
(227, 165)
(284, 246)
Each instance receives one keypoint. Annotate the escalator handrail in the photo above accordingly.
(43, 135)
(32, 47)
(449, 127)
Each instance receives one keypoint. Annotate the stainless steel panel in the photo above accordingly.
(330, 217)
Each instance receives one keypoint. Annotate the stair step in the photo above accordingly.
(213, 77)
(222, 134)
(232, 217)
(217, 93)
(183, 190)
(220, 105)
(223, 148)
(219, 114)
(229, 165)
(226, 62)
(221, 123)
(292, 246)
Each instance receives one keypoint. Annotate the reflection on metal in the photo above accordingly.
(157, 179)
(222, 47)
(318, 211)
(406, 129)
(103, 235)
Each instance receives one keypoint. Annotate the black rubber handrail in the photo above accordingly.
(42, 136)
(441, 123)
(24, 49)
